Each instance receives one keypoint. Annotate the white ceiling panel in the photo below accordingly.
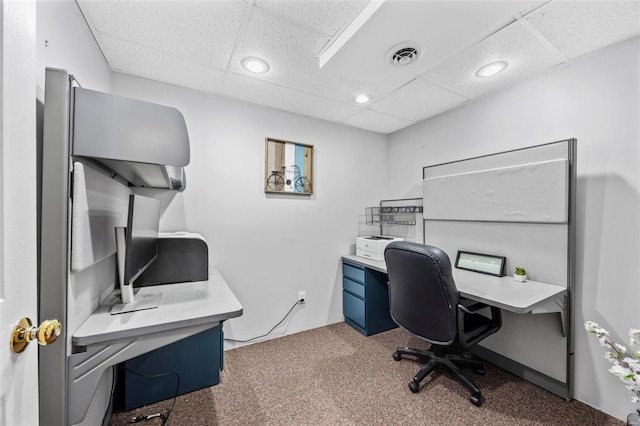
(438, 28)
(327, 17)
(268, 94)
(377, 122)
(141, 61)
(204, 32)
(417, 100)
(199, 44)
(290, 50)
(577, 28)
(526, 52)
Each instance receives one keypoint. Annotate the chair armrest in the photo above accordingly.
(472, 309)
(493, 326)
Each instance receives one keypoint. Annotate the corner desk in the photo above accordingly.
(364, 292)
(104, 340)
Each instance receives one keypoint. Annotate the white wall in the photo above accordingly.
(269, 247)
(597, 101)
(63, 40)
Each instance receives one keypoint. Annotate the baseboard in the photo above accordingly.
(557, 387)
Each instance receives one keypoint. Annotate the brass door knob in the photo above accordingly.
(25, 332)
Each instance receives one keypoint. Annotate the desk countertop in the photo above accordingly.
(503, 292)
(182, 304)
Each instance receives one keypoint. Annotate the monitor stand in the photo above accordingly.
(130, 303)
(140, 303)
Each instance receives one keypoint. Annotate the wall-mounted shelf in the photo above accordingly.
(398, 215)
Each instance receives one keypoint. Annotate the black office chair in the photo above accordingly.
(424, 300)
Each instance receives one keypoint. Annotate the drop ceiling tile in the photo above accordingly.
(327, 17)
(291, 53)
(264, 93)
(144, 62)
(279, 42)
(201, 31)
(191, 43)
(524, 50)
(530, 7)
(376, 122)
(579, 27)
(417, 100)
(437, 29)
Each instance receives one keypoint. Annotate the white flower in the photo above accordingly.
(619, 370)
(634, 336)
(610, 357)
(590, 325)
(620, 348)
(594, 327)
(627, 368)
(603, 341)
(634, 364)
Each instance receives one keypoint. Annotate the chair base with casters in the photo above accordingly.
(439, 357)
(424, 300)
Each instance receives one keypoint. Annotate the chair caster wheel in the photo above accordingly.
(476, 400)
(397, 356)
(414, 387)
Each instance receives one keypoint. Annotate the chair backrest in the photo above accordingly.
(423, 297)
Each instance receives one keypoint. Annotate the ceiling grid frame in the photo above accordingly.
(329, 93)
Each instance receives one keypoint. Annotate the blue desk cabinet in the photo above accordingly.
(196, 359)
(365, 302)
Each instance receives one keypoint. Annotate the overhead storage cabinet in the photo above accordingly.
(145, 143)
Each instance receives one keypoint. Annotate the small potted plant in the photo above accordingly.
(520, 274)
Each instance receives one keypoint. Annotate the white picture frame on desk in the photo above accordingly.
(482, 263)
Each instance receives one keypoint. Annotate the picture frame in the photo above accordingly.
(288, 167)
(481, 262)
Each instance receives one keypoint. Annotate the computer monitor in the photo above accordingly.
(137, 248)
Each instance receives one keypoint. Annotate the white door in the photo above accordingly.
(18, 258)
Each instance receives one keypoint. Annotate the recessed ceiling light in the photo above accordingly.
(255, 65)
(362, 99)
(491, 69)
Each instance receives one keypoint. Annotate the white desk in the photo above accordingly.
(183, 304)
(104, 340)
(502, 292)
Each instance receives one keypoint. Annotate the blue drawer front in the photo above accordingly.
(353, 287)
(353, 308)
(353, 272)
(195, 359)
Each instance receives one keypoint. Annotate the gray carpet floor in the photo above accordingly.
(333, 375)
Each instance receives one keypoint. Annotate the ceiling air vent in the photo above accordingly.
(404, 54)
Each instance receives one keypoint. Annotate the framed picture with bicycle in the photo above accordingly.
(288, 167)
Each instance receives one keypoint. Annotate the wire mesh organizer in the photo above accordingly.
(399, 215)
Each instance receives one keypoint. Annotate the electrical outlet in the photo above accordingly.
(302, 296)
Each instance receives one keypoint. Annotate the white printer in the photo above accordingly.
(373, 247)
